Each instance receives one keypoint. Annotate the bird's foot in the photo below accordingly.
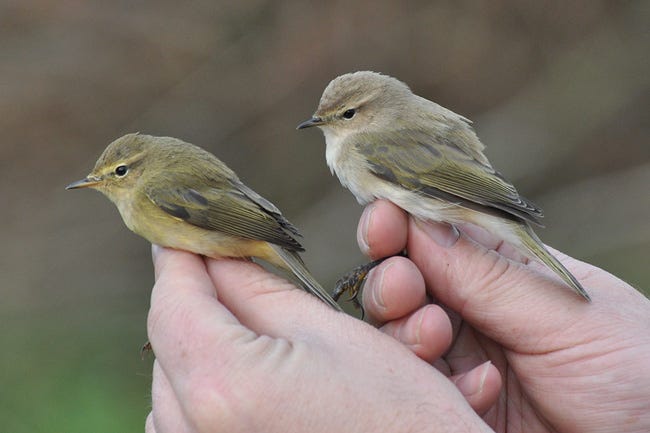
(352, 283)
(145, 350)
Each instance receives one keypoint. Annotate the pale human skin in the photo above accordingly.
(265, 357)
(569, 366)
(261, 356)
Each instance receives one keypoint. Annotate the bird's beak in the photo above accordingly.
(84, 183)
(314, 121)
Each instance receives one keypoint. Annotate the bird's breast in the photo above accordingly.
(352, 170)
(333, 149)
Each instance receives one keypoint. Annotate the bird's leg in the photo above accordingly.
(352, 282)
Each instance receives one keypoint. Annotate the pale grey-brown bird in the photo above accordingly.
(384, 142)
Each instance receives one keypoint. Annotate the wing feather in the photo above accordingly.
(227, 206)
(444, 164)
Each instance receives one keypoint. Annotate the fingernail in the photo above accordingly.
(471, 384)
(421, 315)
(362, 231)
(443, 234)
(376, 281)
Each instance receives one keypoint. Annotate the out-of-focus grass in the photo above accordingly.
(73, 376)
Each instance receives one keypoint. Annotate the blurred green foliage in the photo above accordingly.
(84, 375)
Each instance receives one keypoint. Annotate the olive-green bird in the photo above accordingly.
(177, 195)
(384, 142)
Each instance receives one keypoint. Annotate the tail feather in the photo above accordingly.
(534, 245)
(295, 264)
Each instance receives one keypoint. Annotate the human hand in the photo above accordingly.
(241, 350)
(568, 365)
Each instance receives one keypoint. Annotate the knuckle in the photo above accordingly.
(488, 272)
(208, 404)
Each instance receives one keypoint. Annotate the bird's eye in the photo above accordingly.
(121, 170)
(349, 114)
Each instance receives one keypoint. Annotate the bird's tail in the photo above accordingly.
(295, 264)
(534, 245)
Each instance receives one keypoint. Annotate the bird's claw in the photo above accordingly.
(145, 350)
(352, 283)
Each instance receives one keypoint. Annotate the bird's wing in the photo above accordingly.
(227, 206)
(268, 207)
(439, 165)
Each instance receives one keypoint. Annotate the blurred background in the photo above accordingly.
(559, 92)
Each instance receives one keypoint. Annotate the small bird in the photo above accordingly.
(384, 142)
(177, 195)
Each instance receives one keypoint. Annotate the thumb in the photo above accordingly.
(511, 302)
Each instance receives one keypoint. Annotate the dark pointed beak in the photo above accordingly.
(84, 183)
(314, 121)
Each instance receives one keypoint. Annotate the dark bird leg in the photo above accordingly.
(352, 282)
